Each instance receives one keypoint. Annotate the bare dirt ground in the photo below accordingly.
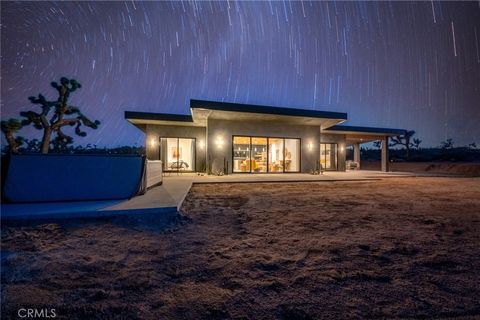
(395, 248)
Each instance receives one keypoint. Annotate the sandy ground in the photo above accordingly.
(395, 248)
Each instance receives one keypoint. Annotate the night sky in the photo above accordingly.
(413, 65)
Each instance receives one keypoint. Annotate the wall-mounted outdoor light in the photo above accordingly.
(219, 142)
(201, 144)
(342, 148)
(310, 146)
(152, 142)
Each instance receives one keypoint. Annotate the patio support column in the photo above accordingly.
(385, 157)
(356, 154)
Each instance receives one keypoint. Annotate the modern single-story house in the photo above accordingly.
(244, 138)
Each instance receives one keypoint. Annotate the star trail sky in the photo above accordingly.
(413, 65)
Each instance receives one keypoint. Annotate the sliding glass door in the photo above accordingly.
(259, 154)
(241, 154)
(263, 154)
(177, 154)
(292, 155)
(328, 156)
(275, 155)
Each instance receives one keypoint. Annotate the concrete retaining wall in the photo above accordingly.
(51, 178)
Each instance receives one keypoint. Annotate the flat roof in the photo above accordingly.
(140, 118)
(202, 110)
(364, 130)
(158, 116)
(263, 109)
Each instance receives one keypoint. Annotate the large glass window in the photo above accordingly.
(259, 154)
(262, 154)
(275, 155)
(177, 154)
(292, 155)
(328, 156)
(241, 154)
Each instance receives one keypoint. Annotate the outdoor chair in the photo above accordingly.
(180, 165)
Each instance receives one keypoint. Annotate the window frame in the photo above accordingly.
(336, 155)
(194, 164)
(268, 155)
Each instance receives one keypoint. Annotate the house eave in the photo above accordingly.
(203, 110)
(143, 118)
(356, 130)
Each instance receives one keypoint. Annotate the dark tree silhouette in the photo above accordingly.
(9, 127)
(406, 141)
(63, 115)
(447, 144)
(416, 143)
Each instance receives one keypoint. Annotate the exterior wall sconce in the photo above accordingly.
(310, 146)
(342, 148)
(220, 143)
(201, 144)
(152, 142)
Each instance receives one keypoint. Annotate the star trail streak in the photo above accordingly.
(413, 65)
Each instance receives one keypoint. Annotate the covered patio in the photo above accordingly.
(355, 136)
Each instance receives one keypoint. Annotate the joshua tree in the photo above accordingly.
(416, 143)
(9, 127)
(406, 141)
(63, 115)
(447, 144)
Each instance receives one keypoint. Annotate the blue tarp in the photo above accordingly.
(49, 178)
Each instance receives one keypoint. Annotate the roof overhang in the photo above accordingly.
(167, 119)
(356, 134)
(203, 110)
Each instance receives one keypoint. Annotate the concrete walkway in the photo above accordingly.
(169, 196)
